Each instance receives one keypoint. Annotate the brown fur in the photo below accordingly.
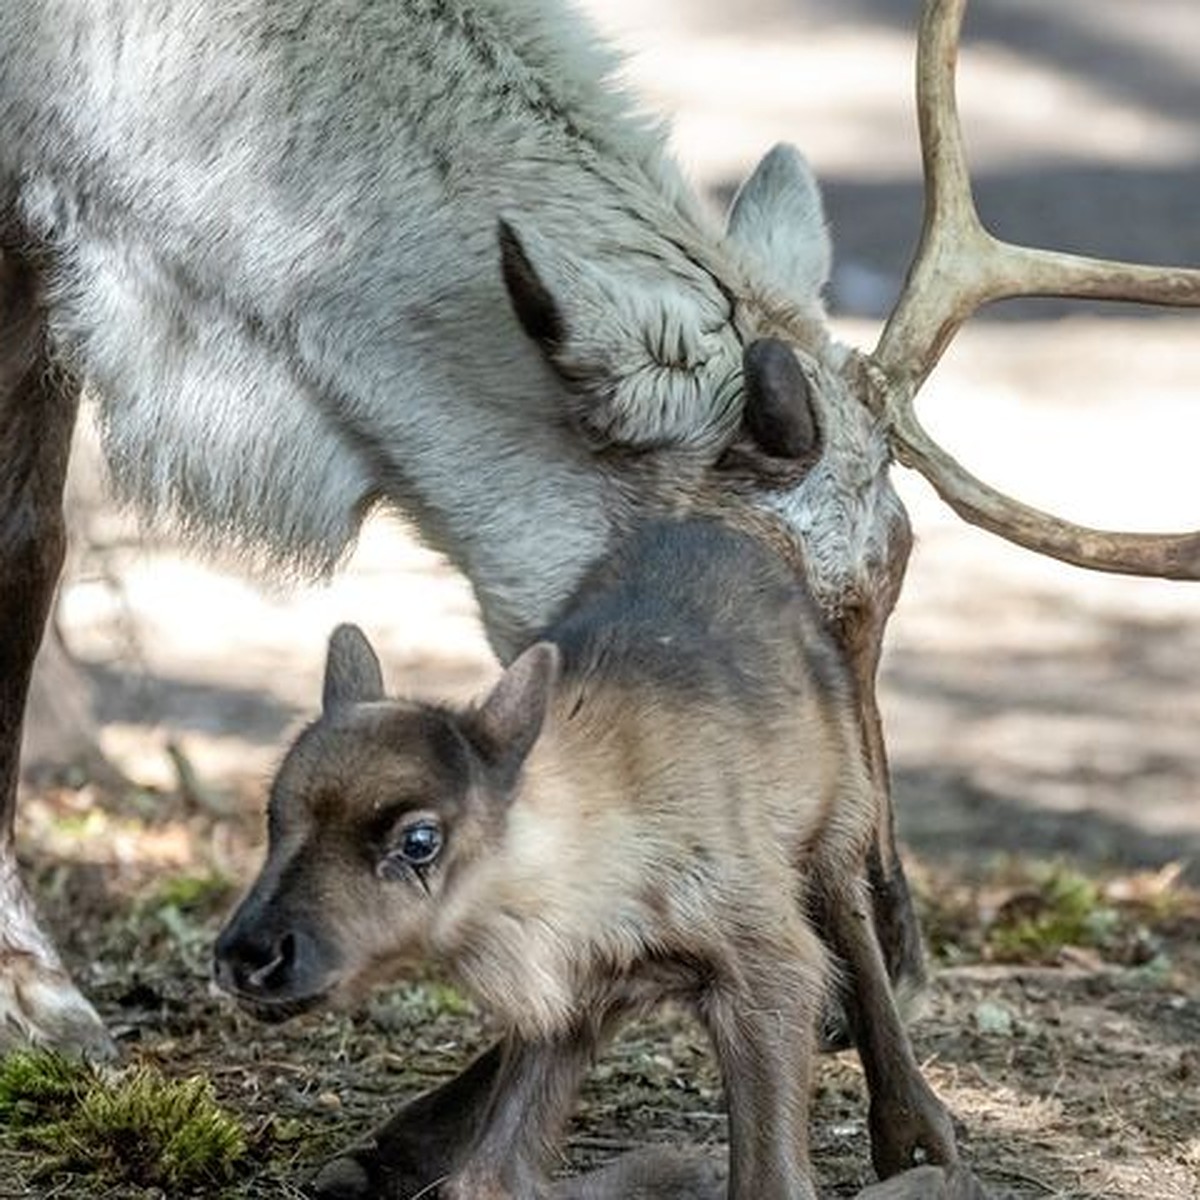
(37, 411)
(699, 787)
(37, 407)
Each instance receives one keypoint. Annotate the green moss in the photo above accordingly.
(1019, 911)
(155, 1131)
(1064, 908)
(134, 1127)
(37, 1086)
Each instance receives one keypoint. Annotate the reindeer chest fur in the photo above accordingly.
(270, 234)
(698, 754)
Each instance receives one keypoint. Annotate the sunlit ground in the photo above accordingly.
(1033, 710)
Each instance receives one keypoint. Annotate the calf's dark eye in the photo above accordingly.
(411, 850)
(420, 844)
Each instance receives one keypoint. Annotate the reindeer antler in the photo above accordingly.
(960, 266)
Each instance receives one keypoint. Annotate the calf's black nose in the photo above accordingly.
(256, 963)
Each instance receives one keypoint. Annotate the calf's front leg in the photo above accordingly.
(38, 1001)
(762, 1015)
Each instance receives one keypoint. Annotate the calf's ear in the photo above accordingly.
(352, 671)
(505, 726)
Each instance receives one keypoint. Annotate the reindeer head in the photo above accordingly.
(715, 378)
(688, 371)
(377, 810)
(710, 362)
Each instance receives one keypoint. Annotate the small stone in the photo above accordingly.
(994, 1020)
(1188, 1067)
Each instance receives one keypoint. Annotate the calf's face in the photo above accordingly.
(377, 807)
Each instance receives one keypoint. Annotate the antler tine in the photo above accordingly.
(944, 284)
(1163, 555)
(960, 266)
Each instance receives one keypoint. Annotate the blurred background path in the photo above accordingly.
(1031, 706)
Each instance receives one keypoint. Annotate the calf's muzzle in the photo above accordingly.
(274, 970)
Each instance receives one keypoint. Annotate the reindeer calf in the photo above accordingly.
(641, 809)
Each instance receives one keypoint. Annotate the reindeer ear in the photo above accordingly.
(352, 671)
(778, 219)
(505, 726)
(532, 300)
(779, 414)
(646, 359)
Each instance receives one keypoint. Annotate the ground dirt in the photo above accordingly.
(1037, 715)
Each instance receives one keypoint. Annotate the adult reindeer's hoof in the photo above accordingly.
(39, 1005)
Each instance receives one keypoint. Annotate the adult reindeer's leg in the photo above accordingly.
(892, 911)
(897, 931)
(38, 1001)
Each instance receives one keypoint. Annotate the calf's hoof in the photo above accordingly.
(352, 1178)
(655, 1173)
(910, 1129)
(342, 1179)
(368, 1172)
(928, 1183)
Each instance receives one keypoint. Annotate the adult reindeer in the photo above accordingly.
(266, 234)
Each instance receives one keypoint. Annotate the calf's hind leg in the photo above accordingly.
(536, 1086)
(421, 1145)
(484, 1135)
(38, 1001)
(909, 1125)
